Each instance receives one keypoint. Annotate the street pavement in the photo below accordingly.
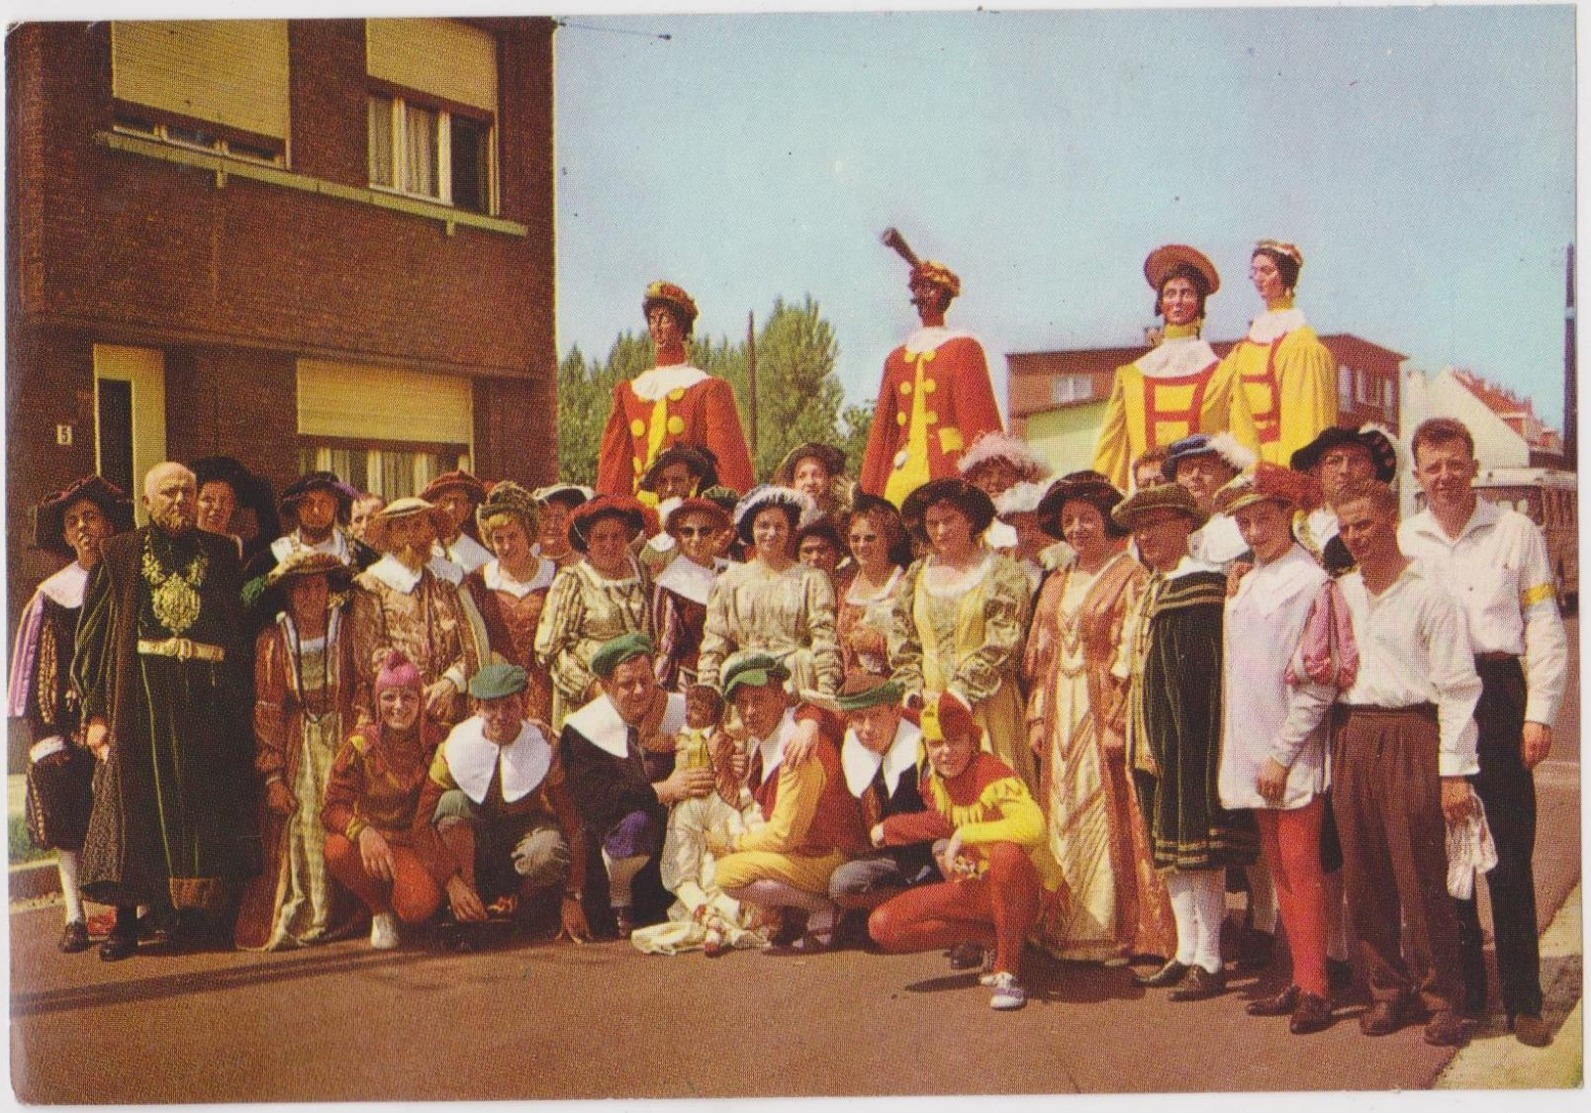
(555, 1020)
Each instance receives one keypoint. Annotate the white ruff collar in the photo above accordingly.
(649, 386)
(598, 722)
(1274, 323)
(444, 569)
(1188, 565)
(1218, 541)
(687, 579)
(67, 587)
(861, 765)
(1175, 359)
(288, 544)
(393, 573)
(931, 338)
(472, 758)
(772, 747)
(498, 580)
(466, 552)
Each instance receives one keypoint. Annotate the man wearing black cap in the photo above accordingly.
(1338, 458)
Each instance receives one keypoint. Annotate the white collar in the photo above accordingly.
(1275, 323)
(772, 747)
(1188, 565)
(598, 722)
(290, 543)
(662, 543)
(932, 338)
(956, 583)
(465, 552)
(861, 765)
(1485, 514)
(393, 573)
(472, 758)
(687, 579)
(444, 569)
(498, 580)
(1176, 358)
(599, 581)
(66, 587)
(650, 386)
(878, 596)
(1218, 541)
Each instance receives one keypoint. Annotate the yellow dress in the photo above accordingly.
(1174, 390)
(1289, 379)
(965, 631)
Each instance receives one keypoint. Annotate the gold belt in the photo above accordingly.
(182, 649)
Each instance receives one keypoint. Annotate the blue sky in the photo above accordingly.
(1422, 159)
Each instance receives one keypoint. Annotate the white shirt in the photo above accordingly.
(1413, 648)
(1497, 568)
(1264, 716)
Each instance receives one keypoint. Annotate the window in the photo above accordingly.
(432, 110)
(392, 473)
(1071, 388)
(216, 85)
(1344, 386)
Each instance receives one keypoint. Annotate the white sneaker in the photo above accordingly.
(988, 976)
(384, 931)
(1008, 992)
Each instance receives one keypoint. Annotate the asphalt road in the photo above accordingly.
(559, 1021)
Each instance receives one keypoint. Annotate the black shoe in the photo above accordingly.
(1313, 1014)
(1281, 1005)
(1171, 973)
(1447, 1028)
(966, 956)
(117, 947)
(1339, 974)
(1200, 985)
(1382, 1018)
(74, 938)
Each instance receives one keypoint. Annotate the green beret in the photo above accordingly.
(611, 654)
(752, 667)
(875, 695)
(497, 680)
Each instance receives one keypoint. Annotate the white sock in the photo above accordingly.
(1180, 886)
(1263, 912)
(621, 871)
(66, 866)
(1209, 902)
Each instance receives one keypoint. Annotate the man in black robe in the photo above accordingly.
(161, 667)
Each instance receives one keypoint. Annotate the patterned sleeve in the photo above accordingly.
(820, 629)
(370, 643)
(559, 630)
(717, 638)
(979, 674)
(1038, 656)
(271, 713)
(905, 642)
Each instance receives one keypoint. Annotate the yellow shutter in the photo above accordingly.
(231, 72)
(145, 369)
(382, 404)
(438, 56)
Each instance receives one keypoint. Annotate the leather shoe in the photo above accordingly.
(1171, 973)
(1313, 1014)
(1446, 1028)
(1531, 1030)
(1382, 1018)
(1200, 984)
(1280, 1005)
(966, 956)
(74, 938)
(117, 947)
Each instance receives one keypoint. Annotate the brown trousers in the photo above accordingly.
(1387, 797)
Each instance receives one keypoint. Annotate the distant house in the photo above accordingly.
(303, 243)
(1507, 432)
(1057, 399)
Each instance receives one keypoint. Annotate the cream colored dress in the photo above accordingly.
(789, 614)
(585, 609)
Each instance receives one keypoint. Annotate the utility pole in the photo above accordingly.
(751, 375)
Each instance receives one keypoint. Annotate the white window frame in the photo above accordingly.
(218, 145)
(444, 154)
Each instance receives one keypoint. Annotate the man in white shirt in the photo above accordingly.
(1494, 561)
(1336, 458)
(1404, 745)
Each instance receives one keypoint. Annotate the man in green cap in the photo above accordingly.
(881, 757)
(812, 823)
(619, 750)
(502, 810)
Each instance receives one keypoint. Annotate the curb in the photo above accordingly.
(33, 880)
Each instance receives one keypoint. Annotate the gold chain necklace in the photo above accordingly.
(175, 595)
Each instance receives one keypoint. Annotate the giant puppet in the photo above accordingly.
(936, 398)
(670, 403)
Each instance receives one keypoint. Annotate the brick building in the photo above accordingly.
(1056, 400)
(300, 243)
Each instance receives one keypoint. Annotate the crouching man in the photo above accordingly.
(497, 796)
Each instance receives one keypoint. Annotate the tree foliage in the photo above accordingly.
(798, 397)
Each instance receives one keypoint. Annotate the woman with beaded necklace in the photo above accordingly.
(303, 680)
(1116, 905)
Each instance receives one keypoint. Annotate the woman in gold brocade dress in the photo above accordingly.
(1112, 904)
(510, 590)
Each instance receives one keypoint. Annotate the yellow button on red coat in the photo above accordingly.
(638, 428)
(676, 395)
(930, 417)
(929, 386)
(905, 388)
(676, 425)
(900, 419)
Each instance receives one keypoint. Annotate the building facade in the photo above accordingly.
(1056, 400)
(302, 243)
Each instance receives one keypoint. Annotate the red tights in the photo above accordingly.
(1290, 841)
(996, 910)
(412, 893)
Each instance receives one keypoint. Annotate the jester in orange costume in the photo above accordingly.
(670, 403)
(936, 398)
